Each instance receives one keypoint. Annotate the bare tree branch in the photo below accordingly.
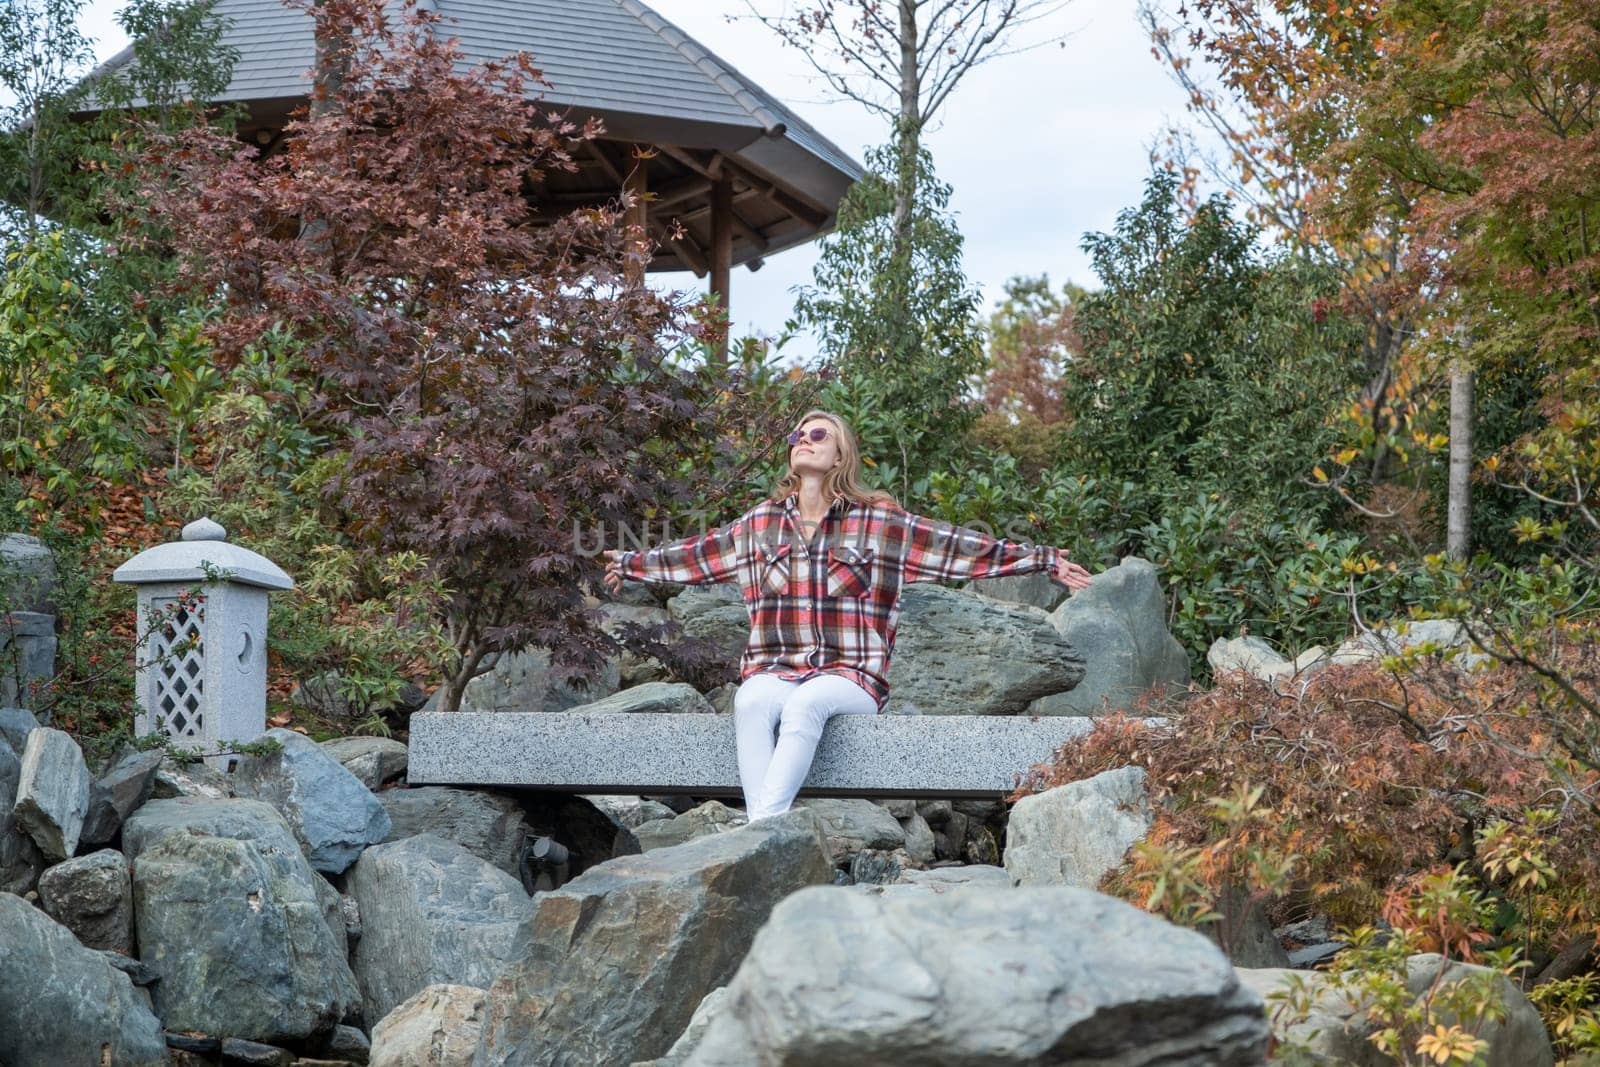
(855, 45)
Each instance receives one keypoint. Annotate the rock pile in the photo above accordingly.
(312, 908)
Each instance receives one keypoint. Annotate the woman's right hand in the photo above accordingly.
(613, 577)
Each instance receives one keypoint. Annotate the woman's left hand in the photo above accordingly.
(1069, 573)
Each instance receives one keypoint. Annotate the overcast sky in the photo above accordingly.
(1039, 147)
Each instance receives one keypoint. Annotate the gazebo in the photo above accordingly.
(739, 173)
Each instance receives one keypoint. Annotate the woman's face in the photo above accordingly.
(815, 457)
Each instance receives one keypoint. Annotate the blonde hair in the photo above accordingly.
(843, 480)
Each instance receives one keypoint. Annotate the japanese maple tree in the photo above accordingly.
(481, 355)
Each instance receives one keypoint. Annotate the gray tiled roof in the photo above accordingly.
(606, 55)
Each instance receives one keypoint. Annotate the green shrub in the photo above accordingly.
(372, 622)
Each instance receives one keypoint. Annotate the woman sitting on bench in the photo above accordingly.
(821, 563)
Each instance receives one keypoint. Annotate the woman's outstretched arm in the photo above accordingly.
(701, 559)
(939, 551)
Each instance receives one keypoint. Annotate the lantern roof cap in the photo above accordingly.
(202, 552)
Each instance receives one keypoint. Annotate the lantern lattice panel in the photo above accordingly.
(177, 657)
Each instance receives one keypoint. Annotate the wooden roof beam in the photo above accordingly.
(687, 158)
(593, 150)
(740, 226)
(690, 252)
(738, 198)
(679, 191)
(709, 166)
(713, 166)
(667, 198)
(621, 166)
(749, 233)
(790, 203)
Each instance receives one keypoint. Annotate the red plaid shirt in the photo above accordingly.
(830, 606)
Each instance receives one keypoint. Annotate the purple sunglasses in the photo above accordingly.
(816, 433)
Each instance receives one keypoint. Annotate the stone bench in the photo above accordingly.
(979, 756)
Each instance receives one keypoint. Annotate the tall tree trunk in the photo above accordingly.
(36, 150)
(1458, 536)
(331, 67)
(1382, 352)
(908, 133)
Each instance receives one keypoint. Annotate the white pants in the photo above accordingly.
(771, 772)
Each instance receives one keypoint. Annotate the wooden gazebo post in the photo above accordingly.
(637, 183)
(722, 252)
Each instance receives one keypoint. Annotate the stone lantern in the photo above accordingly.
(202, 677)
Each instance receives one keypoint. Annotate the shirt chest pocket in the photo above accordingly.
(772, 568)
(849, 571)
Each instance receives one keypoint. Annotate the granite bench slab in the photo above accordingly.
(693, 754)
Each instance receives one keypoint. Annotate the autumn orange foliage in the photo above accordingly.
(1371, 779)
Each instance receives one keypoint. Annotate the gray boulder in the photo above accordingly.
(15, 726)
(629, 812)
(920, 842)
(1074, 833)
(965, 876)
(1032, 976)
(851, 825)
(178, 779)
(321, 693)
(137, 972)
(712, 817)
(491, 826)
(20, 862)
(1260, 660)
(232, 920)
(52, 792)
(656, 697)
(959, 838)
(93, 897)
(708, 1008)
(332, 814)
(241, 819)
(237, 1052)
(618, 958)
(333, 914)
(350, 919)
(324, 694)
(1336, 1030)
(431, 912)
(348, 1044)
(714, 613)
(957, 653)
(1302, 667)
(634, 670)
(27, 656)
(637, 593)
(1447, 634)
(114, 795)
(721, 698)
(27, 575)
(373, 760)
(872, 866)
(1036, 590)
(436, 1027)
(1118, 624)
(899, 807)
(63, 1003)
(1251, 655)
(522, 682)
(1244, 933)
